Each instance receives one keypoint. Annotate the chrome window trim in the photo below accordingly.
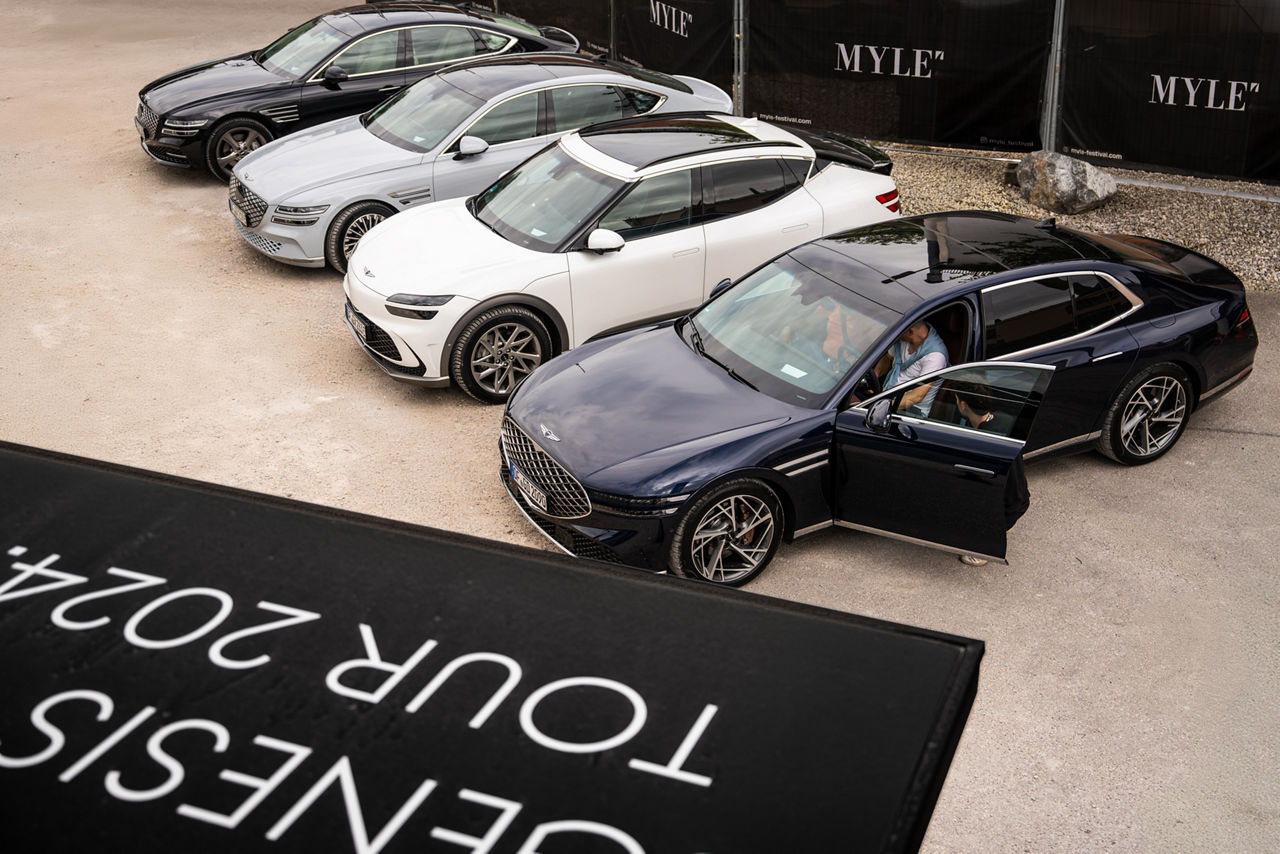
(1222, 385)
(484, 110)
(318, 75)
(1135, 304)
(930, 544)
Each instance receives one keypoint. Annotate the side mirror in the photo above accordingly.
(335, 74)
(470, 146)
(878, 415)
(721, 286)
(603, 240)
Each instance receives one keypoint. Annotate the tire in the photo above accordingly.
(1148, 416)
(497, 350)
(232, 139)
(348, 227)
(729, 535)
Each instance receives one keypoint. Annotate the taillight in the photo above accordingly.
(889, 200)
(1243, 324)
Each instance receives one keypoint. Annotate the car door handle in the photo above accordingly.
(799, 227)
(974, 470)
(683, 252)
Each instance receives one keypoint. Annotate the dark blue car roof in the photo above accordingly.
(901, 262)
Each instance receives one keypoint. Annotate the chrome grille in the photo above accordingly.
(148, 118)
(566, 499)
(563, 536)
(270, 247)
(248, 201)
(282, 114)
(168, 155)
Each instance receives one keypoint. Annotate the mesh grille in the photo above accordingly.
(248, 201)
(566, 499)
(567, 538)
(149, 119)
(168, 154)
(270, 247)
(373, 336)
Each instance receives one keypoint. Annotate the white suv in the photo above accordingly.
(618, 225)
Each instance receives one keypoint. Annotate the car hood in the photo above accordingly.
(189, 86)
(441, 248)
(638, 409)
(321, 155)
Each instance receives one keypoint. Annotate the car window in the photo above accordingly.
(420, 116)
(1027, 314)
(370, 55)
(440, 44)
(515, 118)
(1096, 301)
(641, 102)
(492, 42)
(654, 205)
(997, 400)
(746, 185)
(578, 106)
(299, 50)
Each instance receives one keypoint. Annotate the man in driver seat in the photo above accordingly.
(918, 351)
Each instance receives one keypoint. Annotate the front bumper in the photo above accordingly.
(641, 542)
(168, 152)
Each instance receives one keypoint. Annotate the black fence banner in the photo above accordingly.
(693, 37)
(192, 668)
(588, 20)
(955, 72)
(1191, 85)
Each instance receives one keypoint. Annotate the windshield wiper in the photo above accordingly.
(695, 338)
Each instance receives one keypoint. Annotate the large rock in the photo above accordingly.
(1063, 184)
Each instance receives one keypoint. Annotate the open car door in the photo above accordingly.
(939, 479)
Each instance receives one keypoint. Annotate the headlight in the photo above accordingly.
(286, 215)
(396, 305)
(183, 127)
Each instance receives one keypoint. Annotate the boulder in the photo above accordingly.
(1063, 184)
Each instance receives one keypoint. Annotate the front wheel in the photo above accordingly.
(1148, 416)
(348, 227)
(497, 350)
(230, 141)
(729, 535)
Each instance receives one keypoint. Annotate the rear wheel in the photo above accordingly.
(1148, 416)
(729, 535)
(497, 350)
(230, 141)
(348, 227)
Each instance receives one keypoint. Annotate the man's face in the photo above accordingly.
(915, 334)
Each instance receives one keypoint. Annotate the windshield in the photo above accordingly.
(790, 331)
(543, 201)
(422, 115)
(301, 49)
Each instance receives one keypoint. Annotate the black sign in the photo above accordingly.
(589, 20)
(1198, 90)
(958, 73)
(693, 37)
(189, 668)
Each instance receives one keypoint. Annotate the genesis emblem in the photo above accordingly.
(546, 431)
(369, 273)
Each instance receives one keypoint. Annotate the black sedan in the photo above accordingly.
(699, 445)
(339, 64)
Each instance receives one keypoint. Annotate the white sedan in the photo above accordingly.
(615, 226)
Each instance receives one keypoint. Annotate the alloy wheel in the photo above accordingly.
(733, 538)
(1153, 416)
(357, 229)
(503, 356)
(234, 144)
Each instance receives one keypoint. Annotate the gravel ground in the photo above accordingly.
(1240, 231)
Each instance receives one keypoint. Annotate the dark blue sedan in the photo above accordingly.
(778, 408)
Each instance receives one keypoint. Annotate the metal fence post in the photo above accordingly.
(739, 56)
(1049, 119)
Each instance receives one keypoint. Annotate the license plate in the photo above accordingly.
(357, 324)
(238, 213)
(529, 489)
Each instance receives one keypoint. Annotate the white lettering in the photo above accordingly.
(878, 57)
(513, 676)
(341, 771)
(106, 744)
(131, 627)
(844, 57)
(374, 662)
(261, 788)
(27, 571)
(56, 739)
(1191, 90)
(140, 581)
(639, 714)
(221, 738)
(922, 63)
(481, 845)
(1163, 91)
(295, 617)
(542, 831)
(674, 768)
